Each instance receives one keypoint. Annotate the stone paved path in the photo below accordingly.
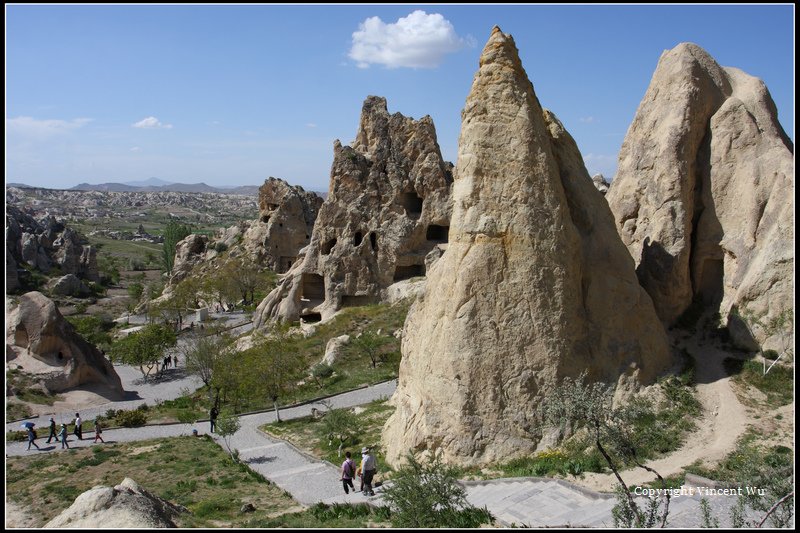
(524, 501)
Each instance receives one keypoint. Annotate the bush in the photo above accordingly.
(131, 419)
(428, 495)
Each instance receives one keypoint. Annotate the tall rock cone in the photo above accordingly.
(704, 194)
(535, 285)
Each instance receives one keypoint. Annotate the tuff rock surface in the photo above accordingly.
(126, 506)
(535, 285)
(704, 194)
(388, 206)
(39, 339)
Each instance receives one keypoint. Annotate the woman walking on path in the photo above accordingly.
(63, 435)
(32, 438)
(97, 431)
(348, 471)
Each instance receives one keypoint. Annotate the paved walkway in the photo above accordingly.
(535, 502)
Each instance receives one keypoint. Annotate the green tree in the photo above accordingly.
(589, 406)
(369, 343)
(339, 425)
(427, 495)
(94, 329)
(135, 291)
(273, 366)
(144, 348)
(206, 357)
(227, 425)
(173, 234)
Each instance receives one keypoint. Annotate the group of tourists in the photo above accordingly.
(366, 472)
(61, 435)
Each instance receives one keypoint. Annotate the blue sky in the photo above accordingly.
(230, 95)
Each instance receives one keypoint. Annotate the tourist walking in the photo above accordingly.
(369, 467)
(63, 435)
(32, 438)
(78, 431)
(97, 431)
(213, 418)
(348, 472)
(53, 434)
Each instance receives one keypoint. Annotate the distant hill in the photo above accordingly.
(19, 186)
(245, 190)
(151, 182)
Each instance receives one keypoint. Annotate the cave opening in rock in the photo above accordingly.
(265, 219)
(328, 246)
(710, 289)
(21, 336)
(285, 264)
(412, 203)
(408, 272)
(357, 301)
(436, 233)
(357, 238)
(272, 207)
(313, 287)
(373, 241)
(311, 318)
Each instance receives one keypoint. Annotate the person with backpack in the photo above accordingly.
(348, 473)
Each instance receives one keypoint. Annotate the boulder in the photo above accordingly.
(535, 286)
(126, 506)
(600, 183)
(40, 339)
(704, 192)
(69, 285)
(334, 348)
(388, 205)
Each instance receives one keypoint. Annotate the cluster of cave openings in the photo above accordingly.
(412, 203)
(408, 272)
(313, 287)
(436, 233)
(710, 288)
(328, 246)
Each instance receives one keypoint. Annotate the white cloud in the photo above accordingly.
(586, 119)
(605, 164)
(42, 129)
(417, 41)
(152, 123)
(311, 125)
(135, 149)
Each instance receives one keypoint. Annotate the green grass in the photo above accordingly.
(308, 434)
(329, 516)
(26, 389)
(777, 385)
(177, 469)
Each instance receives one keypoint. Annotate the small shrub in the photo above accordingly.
(131, 419)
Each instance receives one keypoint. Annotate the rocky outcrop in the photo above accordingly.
(535, 285)
(45, 244)
(285, 221)
(40, 340)
(704, 192)
(334, 349)
(388, 205)
(69, 285)
(189, 252)
(126, 506)
(600, 183)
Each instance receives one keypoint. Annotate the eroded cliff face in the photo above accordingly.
(704, 193)
(535, 285)
(387, 208)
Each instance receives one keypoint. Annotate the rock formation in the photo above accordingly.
(43, 245)
(388, 206)
(704, 192)
(40, 340)
(126, 506)
(286, 218)
(600, 183)
(535, 285)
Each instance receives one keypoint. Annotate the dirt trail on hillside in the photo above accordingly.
(724, 420)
